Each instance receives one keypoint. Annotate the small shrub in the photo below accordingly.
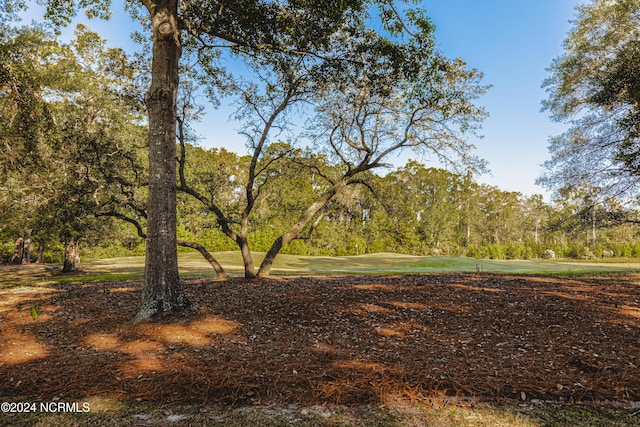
(474, 251)
(497, 251)
(586, 253)
(515, 251)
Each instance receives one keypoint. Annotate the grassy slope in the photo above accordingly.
(194, 264)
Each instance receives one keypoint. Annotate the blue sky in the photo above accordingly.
(511, 41)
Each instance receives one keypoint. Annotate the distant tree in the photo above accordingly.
(502, 214)
(586, 218)
(536, 213)
(434, 197)
(469, 211)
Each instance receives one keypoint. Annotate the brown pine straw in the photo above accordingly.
(334, 340)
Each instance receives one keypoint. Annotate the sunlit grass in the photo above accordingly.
(382, 263)
(447, 264)
(192, 264)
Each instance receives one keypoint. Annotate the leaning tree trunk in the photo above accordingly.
(222, 275)
(294, 232)
(71, 255)
(162, 291)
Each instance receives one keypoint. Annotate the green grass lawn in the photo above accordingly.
(192, 264)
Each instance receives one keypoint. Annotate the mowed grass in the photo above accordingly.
(192, 263)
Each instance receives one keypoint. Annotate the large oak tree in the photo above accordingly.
(297, 27)
(72, 127)
(371, 95)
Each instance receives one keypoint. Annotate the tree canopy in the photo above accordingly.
(369, 97)
(294, 28)
(594, 88)
(72, 134)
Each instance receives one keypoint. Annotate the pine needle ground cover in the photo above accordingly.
(436, 339)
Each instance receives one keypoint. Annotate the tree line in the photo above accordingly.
(412, 209)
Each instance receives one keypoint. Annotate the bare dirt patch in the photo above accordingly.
(333, 340)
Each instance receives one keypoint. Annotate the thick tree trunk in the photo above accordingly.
(26, 251)
(40, 258)
(17, 251)
(162, 291)
(247, 259)
(71, 255)
(243, 241)
(294, 232)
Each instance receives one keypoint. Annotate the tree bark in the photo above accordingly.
(247, 259)
(243, 242)
(162, 291)
(17, 251)
(294, 232)
(71, 255)
(40, 258)
(26, 249)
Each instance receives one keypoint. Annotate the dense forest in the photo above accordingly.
(74, 175)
